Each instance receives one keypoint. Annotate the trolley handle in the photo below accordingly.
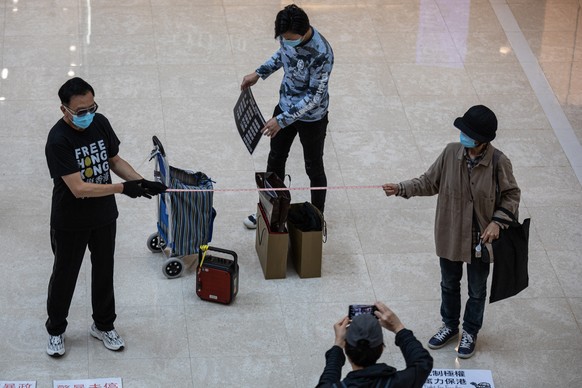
(158, 145)
(221, 250)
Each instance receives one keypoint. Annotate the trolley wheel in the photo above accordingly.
(173, 268)
(155, 243)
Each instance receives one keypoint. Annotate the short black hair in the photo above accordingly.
(74, 87)
(362, 354)
(291, 19)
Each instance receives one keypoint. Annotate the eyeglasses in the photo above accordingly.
(84, 111)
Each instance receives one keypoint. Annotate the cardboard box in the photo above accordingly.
(272, 248)
(306, 248)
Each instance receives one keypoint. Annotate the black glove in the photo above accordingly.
(153, 188)
(135, 189)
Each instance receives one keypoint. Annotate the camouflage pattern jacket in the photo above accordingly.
(303, 94)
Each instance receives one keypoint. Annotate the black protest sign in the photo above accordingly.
(249, 120)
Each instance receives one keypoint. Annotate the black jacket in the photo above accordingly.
(418, 367)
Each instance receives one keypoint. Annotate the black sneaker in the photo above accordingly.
(442, 337)
(467, 345)
(251, 221)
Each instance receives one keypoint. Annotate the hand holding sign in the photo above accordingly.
(271, 128)
(249, 80)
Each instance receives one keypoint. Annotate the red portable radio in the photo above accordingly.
(217, 277)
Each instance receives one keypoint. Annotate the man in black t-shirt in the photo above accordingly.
(81, 152)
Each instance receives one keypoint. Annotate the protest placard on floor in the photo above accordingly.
(17, 384)
(109, 382)
(459, 378)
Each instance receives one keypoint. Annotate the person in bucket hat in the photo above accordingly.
(469, 193)
(363, 343)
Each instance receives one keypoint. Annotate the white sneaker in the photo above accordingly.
(56, 345)
(111, 339)
(251, 221)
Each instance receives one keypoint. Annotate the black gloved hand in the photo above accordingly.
(135, 189)
(153, 188)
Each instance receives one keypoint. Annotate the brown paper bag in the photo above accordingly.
(272, 247)
(306, 246)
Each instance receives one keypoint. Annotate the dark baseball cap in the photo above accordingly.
(365, 327)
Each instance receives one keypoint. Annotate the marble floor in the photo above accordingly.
(404, 69)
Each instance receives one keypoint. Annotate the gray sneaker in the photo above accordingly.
(56, 345)
(111, 339)
(443, 337)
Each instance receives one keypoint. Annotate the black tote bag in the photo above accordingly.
(510, 251)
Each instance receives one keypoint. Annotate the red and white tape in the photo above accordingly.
(275, 189)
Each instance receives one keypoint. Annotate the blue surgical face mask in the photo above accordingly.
(291, 43)
(83, 121)
(467, 142)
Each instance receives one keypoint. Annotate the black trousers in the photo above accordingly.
(312, 137)
(69, 248)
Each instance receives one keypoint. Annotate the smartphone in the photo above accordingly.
(359, 309)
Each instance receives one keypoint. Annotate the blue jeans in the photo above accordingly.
(451, 274)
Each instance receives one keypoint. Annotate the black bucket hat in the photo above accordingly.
(479, 123)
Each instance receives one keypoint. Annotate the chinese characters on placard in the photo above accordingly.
(459, 378)
(17, 384)
(111, 382)
(106, 385)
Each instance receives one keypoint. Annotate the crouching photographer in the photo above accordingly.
(362, 340)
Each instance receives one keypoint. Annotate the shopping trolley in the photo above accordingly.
(185, 218)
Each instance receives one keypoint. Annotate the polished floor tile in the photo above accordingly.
(404, 70)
